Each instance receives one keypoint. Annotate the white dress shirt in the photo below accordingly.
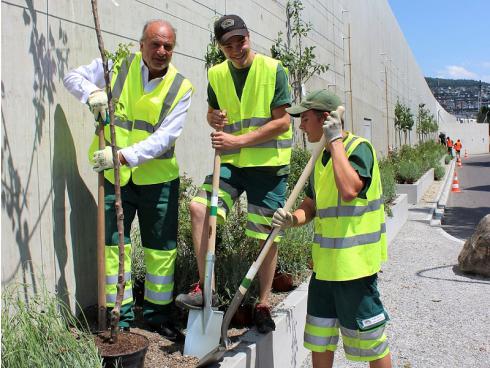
(82, 81)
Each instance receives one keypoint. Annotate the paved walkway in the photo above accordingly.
(439, 317)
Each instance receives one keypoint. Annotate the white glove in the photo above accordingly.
(103, 159)
(97, 102)
(332, 128)
(282, 219)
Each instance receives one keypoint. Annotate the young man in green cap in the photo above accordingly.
(344, 200)
(247, 97)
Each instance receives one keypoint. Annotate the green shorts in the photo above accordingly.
(265, 191)
(355, 308)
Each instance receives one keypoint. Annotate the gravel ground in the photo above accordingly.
(439, 317)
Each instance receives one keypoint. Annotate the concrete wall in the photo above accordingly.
(48, 189)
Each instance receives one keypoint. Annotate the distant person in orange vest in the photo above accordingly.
(457, 147)
(449, 144)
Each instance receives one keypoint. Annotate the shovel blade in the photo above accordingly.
(202, 336)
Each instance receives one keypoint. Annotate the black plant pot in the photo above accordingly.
(135, 358)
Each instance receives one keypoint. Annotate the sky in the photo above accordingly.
(449, 38)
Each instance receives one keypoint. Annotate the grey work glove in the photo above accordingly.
(282, 219)
(332, 128)
(97, 102)
(103, 159)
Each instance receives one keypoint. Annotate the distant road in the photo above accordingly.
(464, 210)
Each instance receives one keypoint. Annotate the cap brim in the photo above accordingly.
(296, 110)
(236, 32)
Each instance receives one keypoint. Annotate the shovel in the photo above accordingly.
(203, 326)
(226, 344)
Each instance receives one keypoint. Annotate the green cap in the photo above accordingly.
(321, 100)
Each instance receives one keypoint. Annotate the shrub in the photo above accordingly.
(295, 251)
(408, 172)
(387, 174)
(299, 159)
(439, 172)
(41, 332)
(447, 159)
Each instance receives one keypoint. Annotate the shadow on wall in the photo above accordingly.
(49, 57)
(14, 203)
(67, 183)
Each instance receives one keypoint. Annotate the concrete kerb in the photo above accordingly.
(442, 196)
(280, 348)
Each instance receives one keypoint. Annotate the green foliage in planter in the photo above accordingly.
(387, 174)
(447, 159)
(439, 172)
(138, 268)
(408, 172)
(41, 332)
(299, 159)
(234, 251)
(295, 251)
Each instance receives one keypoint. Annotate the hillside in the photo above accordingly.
(461, 97)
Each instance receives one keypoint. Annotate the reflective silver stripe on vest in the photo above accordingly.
(254, 122)
(165, 296)
(170, 98)
(111, 298)
(353, 241)
(350, 143)
(274, 143)
(261, 211)
(375, 334)
(122, 74)
(144, 126)
(230, 152)
(322, 322)
(126, 124)
(349, 210)
(233, 128)
(374, 352)
(161, 280)
(112, 279)
(166, 155)
(320, 340)
(258, 228)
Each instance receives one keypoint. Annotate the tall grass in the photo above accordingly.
(41, 332)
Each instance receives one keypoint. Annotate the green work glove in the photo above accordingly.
(103, 159)
(97, 102)
(282, 219)
(332, 128)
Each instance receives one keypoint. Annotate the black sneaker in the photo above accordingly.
(263, 320)
(194, 299)
(168, 331)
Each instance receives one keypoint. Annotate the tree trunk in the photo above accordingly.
(116, 311)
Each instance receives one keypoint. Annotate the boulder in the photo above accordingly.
(475, 255)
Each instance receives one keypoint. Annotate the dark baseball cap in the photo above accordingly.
(228, 26)
(321, 100)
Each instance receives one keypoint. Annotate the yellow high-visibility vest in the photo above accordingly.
(350, 237)
(251, 112)
(138, 115)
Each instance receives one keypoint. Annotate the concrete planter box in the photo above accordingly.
(279, 349)
(416, 190)
(399, 209)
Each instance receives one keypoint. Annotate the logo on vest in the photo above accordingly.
(373, 320)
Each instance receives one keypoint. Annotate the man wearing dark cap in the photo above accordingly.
(344, 199)
(247, 96)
